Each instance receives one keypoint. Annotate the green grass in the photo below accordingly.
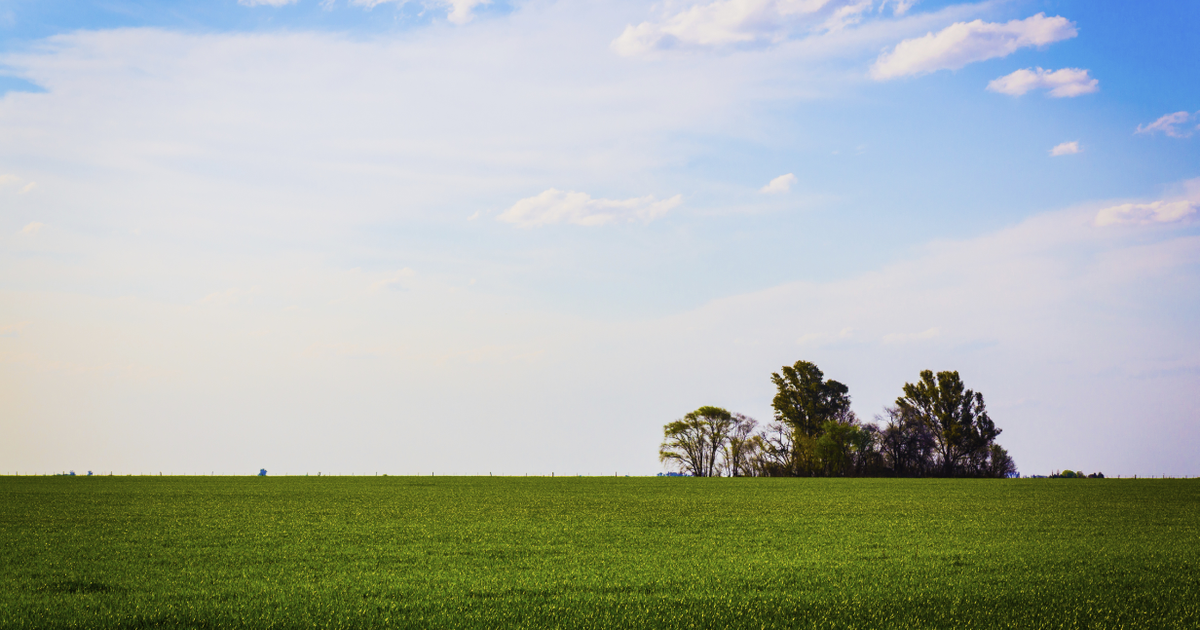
(460, 552)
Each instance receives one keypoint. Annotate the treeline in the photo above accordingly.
(937, 428)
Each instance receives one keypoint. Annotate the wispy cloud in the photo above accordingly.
(1170, 123)
(1144, 213)
(1065, 148)
(459, 11)
(780, 184)
(740, 23)
(963, 43)
(557, 206)
(1067, 82)
(33, 228)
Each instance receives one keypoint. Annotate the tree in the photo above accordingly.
(955, 416)
(777, 452)
(694, 441)
(805, 401)
(742, 448)
(906, 444)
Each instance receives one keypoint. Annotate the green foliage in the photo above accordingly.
(805, 401)
(956, 417)
(479, 552)
(694, 442)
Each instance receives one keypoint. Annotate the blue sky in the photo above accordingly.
(520, 237)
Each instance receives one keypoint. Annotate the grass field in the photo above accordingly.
(461, 552)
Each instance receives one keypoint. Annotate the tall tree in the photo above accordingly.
(694, 441)
(805, 401)
(954, 415)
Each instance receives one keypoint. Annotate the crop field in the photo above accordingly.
(480, 552)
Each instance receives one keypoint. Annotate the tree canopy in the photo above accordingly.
(937, 427)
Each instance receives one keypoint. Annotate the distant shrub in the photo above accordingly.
(262, 473)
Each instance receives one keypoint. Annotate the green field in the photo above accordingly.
(455, 552)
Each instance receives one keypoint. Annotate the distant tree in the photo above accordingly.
(777, 452)
(693, 442)
(954, 415)
(906, 444)
(262, 473)
(742, 447)
(847, 448)
(805, 401)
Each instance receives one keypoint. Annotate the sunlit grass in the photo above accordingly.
(358, 552)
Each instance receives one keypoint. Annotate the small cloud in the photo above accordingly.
(473, 216)
(1064, 83)
(780, 184)
(1168, 124)
(28, 187)
(556, 206)
(394, 278)
(1066, 148)
(907, 337)
(962, 43)
(7, 179)
(265, 3)
(32, 228)
(1145, 213)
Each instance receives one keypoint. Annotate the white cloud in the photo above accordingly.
(899, 7)
(1144, 213)
(1065, 148)
(1168, 124)
(461, 10)
(7, 179)
(962, 43)
(556, 206)
(265, 3)
(32, 228)
(739, 23)
(780, 184)
(1066, 82)
(28, 187)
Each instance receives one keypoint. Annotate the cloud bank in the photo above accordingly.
(556, 206)
(963, 43)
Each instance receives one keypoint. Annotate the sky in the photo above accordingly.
(519, 237)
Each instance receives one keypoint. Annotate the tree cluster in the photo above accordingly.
(937, 428)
